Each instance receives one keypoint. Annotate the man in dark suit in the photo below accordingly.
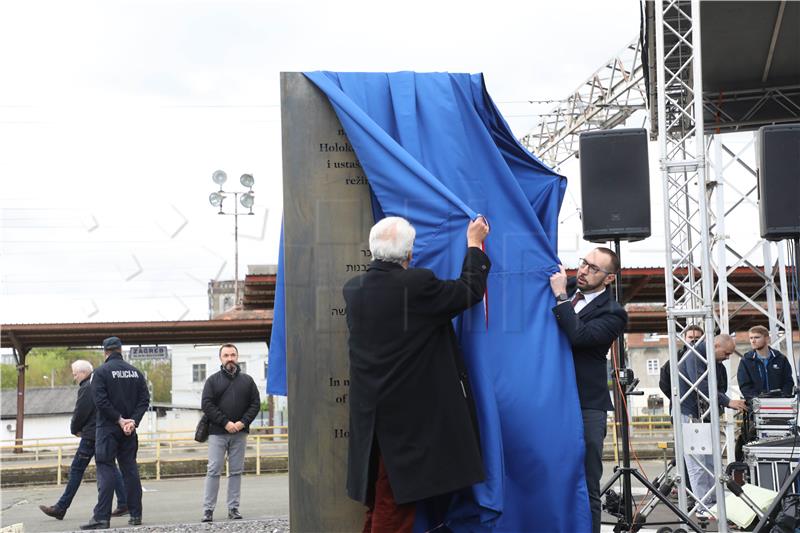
(764, 369)
(590, 317)
(413, 432)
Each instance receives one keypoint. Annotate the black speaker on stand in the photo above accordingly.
(779, 181)
(615, 203)
(615, 185)
(779, 217)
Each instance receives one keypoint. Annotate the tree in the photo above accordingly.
(159, 374)
(46, 365)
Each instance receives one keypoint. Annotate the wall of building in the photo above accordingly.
(38, 427)
(188, 379)
(57, 426)
(187, 385)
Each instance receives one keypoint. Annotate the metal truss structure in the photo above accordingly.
(688, 272)
(606, 99)
(705, 182)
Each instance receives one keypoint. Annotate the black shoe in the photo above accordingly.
(208, 516)
(95, 524)
(233, 514)
(135, 521)
(56, 512)
(120, 511)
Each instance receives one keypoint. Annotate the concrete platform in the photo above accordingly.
(176, 503)
(168, 501)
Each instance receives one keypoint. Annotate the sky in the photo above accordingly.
(114, 115)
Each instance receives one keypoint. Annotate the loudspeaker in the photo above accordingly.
(615, 185)
(779, 181)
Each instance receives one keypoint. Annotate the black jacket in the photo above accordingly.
(84, 417)
(665, 378)
(409, 390)
(119, 390)
(591, 333)
(751, 381)
(240, 403)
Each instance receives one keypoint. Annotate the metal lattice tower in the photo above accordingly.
(688, 272)
(604, 100)
(705, 182)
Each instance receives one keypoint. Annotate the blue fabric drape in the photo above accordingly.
(436, 151)
(276, 370)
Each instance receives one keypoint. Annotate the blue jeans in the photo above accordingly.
(79, 463)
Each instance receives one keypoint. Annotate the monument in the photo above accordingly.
(326, 221)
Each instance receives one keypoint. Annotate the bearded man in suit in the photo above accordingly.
(588, 314)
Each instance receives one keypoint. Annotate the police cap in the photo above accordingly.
(111, 343)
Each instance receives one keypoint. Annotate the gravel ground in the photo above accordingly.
(268, 525)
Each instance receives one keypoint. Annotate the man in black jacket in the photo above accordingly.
(764, 369)
(691, 335)
(231, 402)
(121, 397)
(412, 429)
(592, 320)
(83, 425)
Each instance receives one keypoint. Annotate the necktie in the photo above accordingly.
(577, 298)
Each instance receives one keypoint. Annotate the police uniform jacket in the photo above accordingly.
(751, 378)
(591, 333)
(409, 392)
(120, 390)
(230, 398)
(84, 417)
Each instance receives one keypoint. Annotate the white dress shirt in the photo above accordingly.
(587, 298)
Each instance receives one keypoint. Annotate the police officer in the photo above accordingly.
(121, 396)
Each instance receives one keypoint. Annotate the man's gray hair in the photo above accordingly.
(81, 365)
(392, 240)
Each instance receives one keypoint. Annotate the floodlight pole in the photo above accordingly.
(235, 216)
(217, 198)
(236, 248)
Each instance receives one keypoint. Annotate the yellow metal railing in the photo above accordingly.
(45, 449)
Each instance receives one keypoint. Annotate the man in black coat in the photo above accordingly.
(592, 320)
(691, 335)
(413, 432)
(121, 397)
(83, 425)
(764, 369)
(231, 402)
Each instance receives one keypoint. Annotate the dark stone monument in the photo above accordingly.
(326, 221)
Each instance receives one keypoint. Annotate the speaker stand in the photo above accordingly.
(625, 386)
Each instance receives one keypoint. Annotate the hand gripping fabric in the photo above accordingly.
(437, 152)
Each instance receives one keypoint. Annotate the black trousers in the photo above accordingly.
(112, 444)
(594, 433)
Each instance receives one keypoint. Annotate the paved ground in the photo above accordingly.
(170, 501)
(175, 505)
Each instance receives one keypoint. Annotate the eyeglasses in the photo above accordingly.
(593, 269)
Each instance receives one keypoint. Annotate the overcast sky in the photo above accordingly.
(113, 116)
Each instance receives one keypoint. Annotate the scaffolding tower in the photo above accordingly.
(701, 176)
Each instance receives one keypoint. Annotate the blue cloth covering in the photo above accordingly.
(276, 370)
(437, 151)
